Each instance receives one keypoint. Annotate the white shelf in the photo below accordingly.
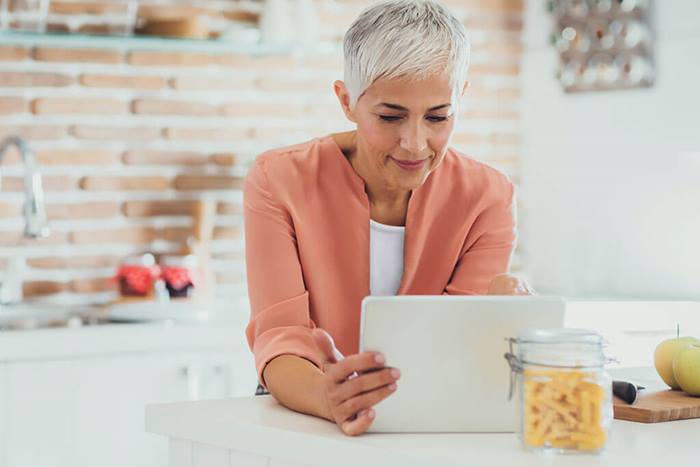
(156, 43)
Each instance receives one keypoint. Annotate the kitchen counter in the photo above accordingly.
(96, 336)
(137, 328)
(105, 339)
(257, 431)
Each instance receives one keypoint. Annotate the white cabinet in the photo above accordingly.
(184, 453)
(3, 415)
(90, 411)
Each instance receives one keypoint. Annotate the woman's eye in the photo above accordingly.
(390, 118)
(430, 118)
(435, 119)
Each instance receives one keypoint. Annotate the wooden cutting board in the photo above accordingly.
(658, 406)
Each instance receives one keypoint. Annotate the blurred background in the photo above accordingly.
(611, 178)
(130, 131)
(133, 124)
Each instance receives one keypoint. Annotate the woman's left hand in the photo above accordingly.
(508, 284)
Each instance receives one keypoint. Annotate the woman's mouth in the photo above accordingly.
(409, 165)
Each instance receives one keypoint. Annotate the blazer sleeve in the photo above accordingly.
(280, 320)
(489, 245)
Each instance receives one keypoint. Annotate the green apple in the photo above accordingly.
(664, 354)
(686, 369)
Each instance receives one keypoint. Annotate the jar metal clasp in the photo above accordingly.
(515, 364)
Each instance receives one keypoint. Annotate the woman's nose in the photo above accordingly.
(414, 139)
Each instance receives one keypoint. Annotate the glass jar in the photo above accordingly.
(564, 391)
(180, 273)
(136, 275)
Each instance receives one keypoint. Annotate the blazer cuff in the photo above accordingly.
(285, 341)
(283, 328)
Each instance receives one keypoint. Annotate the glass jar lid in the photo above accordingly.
(562, 348)
(146, 260)
(560, 336)
(179, 261)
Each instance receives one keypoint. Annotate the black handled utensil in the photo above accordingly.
(626, 391)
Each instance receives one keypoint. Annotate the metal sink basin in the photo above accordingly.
(35, 316)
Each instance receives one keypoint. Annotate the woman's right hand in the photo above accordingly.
(353, 384)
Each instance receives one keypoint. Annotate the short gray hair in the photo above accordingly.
(404, 38)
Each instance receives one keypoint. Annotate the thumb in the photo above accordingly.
(326, 345)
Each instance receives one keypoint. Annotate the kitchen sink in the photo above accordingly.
(39, 315)
(26, 316)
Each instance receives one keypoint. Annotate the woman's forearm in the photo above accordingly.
(297, 384)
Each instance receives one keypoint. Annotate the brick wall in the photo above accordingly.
(128, 138)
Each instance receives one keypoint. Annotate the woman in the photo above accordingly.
(385, 209)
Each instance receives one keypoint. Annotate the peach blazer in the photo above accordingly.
(307, 243)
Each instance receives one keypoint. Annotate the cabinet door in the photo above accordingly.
(3, 415)
(219, 374)
(207, 375)
(39, 402)
(244, 377)
(91, 411)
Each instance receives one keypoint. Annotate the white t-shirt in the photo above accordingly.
(385, 258)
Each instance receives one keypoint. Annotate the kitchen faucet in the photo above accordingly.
(35, 224)
(34, 211)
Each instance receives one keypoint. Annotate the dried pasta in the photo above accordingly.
(563, 409)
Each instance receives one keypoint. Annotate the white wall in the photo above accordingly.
(611, 180)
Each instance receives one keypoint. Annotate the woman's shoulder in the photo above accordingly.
(297, 171)
(465, 171)
(288, 156)
(468, 186)
(288, 166)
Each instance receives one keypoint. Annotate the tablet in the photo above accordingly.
(450, 350)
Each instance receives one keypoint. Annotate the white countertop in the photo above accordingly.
(259, 425)
(105, 339)
(142, 327)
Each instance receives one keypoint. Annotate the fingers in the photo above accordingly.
(528, 289)
(353, 384)
(507, 284)
(364, 383)
(325, 344)
(358, 425)
(503, 284)
(523, 288)
(358, 363)
(363, 401)
(517, 288)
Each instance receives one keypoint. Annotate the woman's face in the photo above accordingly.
(404, 128)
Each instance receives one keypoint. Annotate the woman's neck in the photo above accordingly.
(386, 206)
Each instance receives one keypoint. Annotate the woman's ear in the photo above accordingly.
(344, 98)
(466, 85)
